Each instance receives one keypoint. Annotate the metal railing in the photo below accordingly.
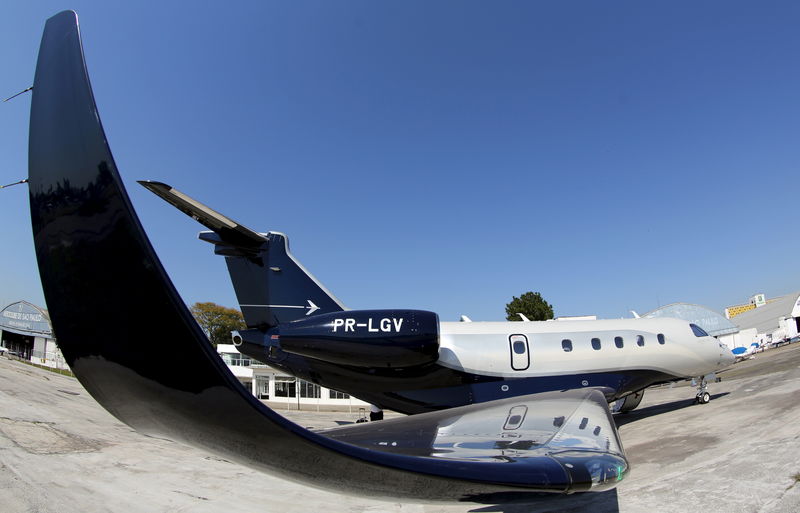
(52, 359)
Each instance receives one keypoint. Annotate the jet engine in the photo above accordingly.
(360, 338)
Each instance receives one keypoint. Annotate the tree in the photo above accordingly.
(217, 321)
(530, 304)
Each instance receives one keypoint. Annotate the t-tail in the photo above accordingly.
(271, 286)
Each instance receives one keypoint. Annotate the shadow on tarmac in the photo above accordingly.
(604, 502)
(658, 409)
(601, 502)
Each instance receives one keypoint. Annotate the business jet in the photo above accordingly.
(411, 362)
(500, 410)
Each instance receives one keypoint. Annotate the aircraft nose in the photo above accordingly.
(726, 356)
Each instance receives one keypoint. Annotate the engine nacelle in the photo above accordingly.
(365, 338)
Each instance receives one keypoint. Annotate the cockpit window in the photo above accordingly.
(698, 331)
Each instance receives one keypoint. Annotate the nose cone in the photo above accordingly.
(726, 357)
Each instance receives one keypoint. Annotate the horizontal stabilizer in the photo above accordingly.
(230, 231)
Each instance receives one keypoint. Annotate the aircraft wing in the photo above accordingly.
(568, 436)
(114, 310)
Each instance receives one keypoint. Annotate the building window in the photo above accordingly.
(285, 387)
(596, 344)
(309, 390)
(640, 340)
(566, 344)
(618, 342)
(661, 339)
(335, 394)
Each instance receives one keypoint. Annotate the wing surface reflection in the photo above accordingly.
(571, 430)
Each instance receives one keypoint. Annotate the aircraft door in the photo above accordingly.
(520, 357)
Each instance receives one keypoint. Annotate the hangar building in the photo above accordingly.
(773, 320)
(762, 320)
(713, 323)
(25, 330)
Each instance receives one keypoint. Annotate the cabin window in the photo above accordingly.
(566, 344)
(618, 342)
(518, 345)
(596, 344)
(640, 340)
(698, 331)
(661, 339)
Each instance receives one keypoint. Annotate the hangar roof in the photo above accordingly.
(26, 319)
(714, 323)
(765, 318)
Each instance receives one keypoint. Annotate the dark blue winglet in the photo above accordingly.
(111, 303)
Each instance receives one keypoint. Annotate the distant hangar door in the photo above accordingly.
(22, 345)
(520, 353)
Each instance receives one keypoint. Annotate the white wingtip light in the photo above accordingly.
(635, 315)
(522, 316)
(464, 318)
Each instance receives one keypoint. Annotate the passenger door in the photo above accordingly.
(520, 353)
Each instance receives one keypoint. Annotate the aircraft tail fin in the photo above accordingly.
(271, 286)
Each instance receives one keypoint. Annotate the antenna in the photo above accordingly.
(15, 183)
(19, 93)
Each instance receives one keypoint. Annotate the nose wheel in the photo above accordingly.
(702, 397)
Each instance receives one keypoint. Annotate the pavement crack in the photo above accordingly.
(192, 495)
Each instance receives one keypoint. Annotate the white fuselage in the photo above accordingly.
(551, 348)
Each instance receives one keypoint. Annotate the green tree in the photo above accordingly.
(217, 321)
(530, 304)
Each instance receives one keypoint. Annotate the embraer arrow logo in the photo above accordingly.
(311, 306)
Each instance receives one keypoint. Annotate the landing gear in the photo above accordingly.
(702, 397)
(375, 413)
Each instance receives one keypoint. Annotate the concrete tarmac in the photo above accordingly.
(61, 452)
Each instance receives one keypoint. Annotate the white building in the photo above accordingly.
(772, 320)
(282, 390)
(25, 331)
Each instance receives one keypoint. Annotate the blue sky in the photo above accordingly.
(446, 155)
